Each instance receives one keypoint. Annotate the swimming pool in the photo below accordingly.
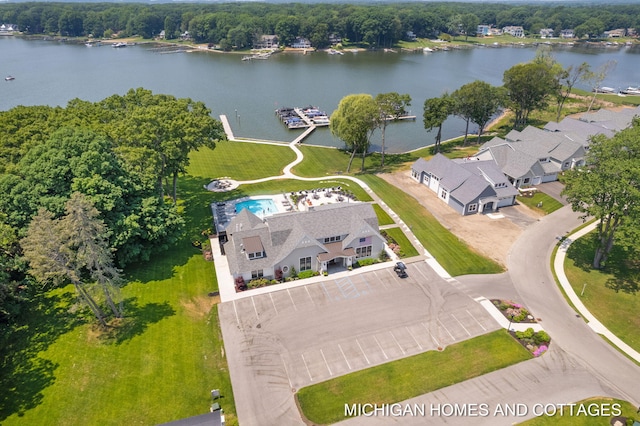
(260, 206)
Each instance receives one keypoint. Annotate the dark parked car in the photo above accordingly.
(401, 269)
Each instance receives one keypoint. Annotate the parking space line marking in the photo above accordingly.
(445, 329)
(380, 279)
(414, 339)
(294, 303)
(366, 283)
(307, 367)
(394, 338)
(465, 328)
(254, 308)
(309, 294)
(273, 303)
(476, 320)
(383, 352)
(286, 371)
(327, 292)
(325, 362)
(345, 357)
(236, 311)
(423, 275)
(361, 350)
(430, 335)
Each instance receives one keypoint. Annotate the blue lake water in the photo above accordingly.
(248, 92)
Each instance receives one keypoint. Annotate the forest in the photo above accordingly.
(238, 25)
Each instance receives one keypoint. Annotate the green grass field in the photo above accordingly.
(239, 161)
(628, 411)
(611, 294)
(454, 255)
(540, 202)
(406, 248)
(323, 403)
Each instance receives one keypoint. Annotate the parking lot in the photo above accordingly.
(284, 340)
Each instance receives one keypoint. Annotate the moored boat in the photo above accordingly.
(631, 90)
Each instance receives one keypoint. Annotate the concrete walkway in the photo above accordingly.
(597, 326)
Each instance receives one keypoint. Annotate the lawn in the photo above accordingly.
(454, 255)
(383, 217)
(628, 411)
(396, 381)
(159, 366)
(610, 294)
(540, 202)
(239, 161)
(406, 248)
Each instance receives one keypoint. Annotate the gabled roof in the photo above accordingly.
(282, 233)
(466, 180)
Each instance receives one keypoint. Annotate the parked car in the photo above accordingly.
(401, 269)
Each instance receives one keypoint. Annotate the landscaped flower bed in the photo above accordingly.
(536, 342)
(513, 311)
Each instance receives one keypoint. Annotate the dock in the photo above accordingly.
(300, 118)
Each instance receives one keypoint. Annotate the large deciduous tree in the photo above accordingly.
(354, 122)
(477, 102)
(436, 111)
(608, 188)
(528, 88)
(392, 106)
(568, 79)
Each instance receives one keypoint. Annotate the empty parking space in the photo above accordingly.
(352, 322)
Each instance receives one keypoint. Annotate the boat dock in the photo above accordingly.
(300, 118)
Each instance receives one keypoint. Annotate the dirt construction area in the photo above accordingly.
(491, 235)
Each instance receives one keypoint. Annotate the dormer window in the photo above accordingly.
(253, 248)
(332, 239)
(256, 255)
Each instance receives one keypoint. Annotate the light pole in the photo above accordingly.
(510, 321)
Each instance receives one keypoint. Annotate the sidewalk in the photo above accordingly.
(592, 321)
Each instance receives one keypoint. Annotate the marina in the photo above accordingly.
(302, 118)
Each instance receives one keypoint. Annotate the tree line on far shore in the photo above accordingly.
(239, 25)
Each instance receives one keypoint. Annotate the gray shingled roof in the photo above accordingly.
(281, 233)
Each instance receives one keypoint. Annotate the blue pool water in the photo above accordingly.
(260, 207)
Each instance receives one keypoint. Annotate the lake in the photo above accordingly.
(248, 92)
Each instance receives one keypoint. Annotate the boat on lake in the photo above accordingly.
(119, 45)
(604, 89)
(9, 78)
(631, 90)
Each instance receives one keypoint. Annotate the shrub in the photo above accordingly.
(541, 349)
(527, 334)
(306, 274)
(278, 275)
(366, 262)
(541, 337)
(240, 284)
(293, 273)
(260, 282)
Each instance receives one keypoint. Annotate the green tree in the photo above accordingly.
(354, 122)
(568, 79)
(469, 22)
(596, 78)
(74, 249)
(391, 106)
(477, 102)
(528, 88)
(608, 189)
(436, 111)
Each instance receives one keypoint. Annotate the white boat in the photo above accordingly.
(427, 50)
(631, 90)
(9, 78)
(116, 45)
(604, 89)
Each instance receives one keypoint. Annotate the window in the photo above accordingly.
(443, 194)
(331, 239)
(256, 255)
(472, 208)
(363, 252)
(526, 180)
(257, 274)
(305, 263)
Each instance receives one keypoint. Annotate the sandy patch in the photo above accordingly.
(490, 237)
(200, 306)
